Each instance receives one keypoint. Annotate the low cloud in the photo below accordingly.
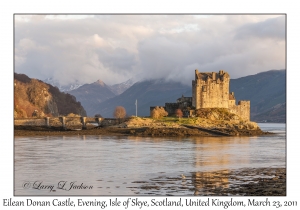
(114, 48)
(273, 28)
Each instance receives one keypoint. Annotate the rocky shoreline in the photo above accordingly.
(241, 182)
(181, 131)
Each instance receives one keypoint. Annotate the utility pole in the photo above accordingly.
(136, 107)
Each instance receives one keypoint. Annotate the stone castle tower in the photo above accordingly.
(211, 90)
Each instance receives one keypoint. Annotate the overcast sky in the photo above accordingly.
(115, 48)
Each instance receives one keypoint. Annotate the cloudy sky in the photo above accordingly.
(115, 48)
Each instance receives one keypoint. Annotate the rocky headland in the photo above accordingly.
(167, 126)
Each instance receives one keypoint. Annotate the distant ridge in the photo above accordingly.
(117, 89)
(63, 88)
(91, 95)
(266, 92)
(148, 93)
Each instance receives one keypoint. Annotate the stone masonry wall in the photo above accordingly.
(242, 109)
(30, 122)
(210, 90)
(69, 121)
(171, 108)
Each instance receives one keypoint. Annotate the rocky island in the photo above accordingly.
(146, 126)
(211, 111)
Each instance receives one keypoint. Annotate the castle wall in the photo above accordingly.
(68, 121)
(242, 109)
(151, 109)
(30, 121)
(171, 108)
(231, 103)
(209, 90)
(193, 93)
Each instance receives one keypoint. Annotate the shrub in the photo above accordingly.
(158, 112)
(73, 115)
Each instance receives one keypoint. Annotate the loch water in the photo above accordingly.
(122, 165)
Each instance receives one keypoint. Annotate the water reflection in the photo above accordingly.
(204, 181)
(221, 152)
(128, 165)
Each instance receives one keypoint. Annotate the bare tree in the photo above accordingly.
(154, 114)
(178, 113)
(119, 112)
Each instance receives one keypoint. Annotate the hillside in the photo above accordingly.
(91, 95)
(32, 94)
(266, 92)
(148, 93)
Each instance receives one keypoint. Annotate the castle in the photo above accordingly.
(210, 90)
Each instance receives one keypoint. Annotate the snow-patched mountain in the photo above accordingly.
(117, 89)
(120, 88)
(91, 95)
(64, 88)
(147, 93)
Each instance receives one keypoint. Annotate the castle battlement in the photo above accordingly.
(210, 90)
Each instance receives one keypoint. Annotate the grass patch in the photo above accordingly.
(182, 120)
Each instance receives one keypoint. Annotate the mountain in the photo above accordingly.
(266, 92)
(63, 88)
(32, 94)
(147, 93)
(117, 89)
(91, 95)
(276, 114)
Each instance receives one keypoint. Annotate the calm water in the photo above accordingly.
(117, 165)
